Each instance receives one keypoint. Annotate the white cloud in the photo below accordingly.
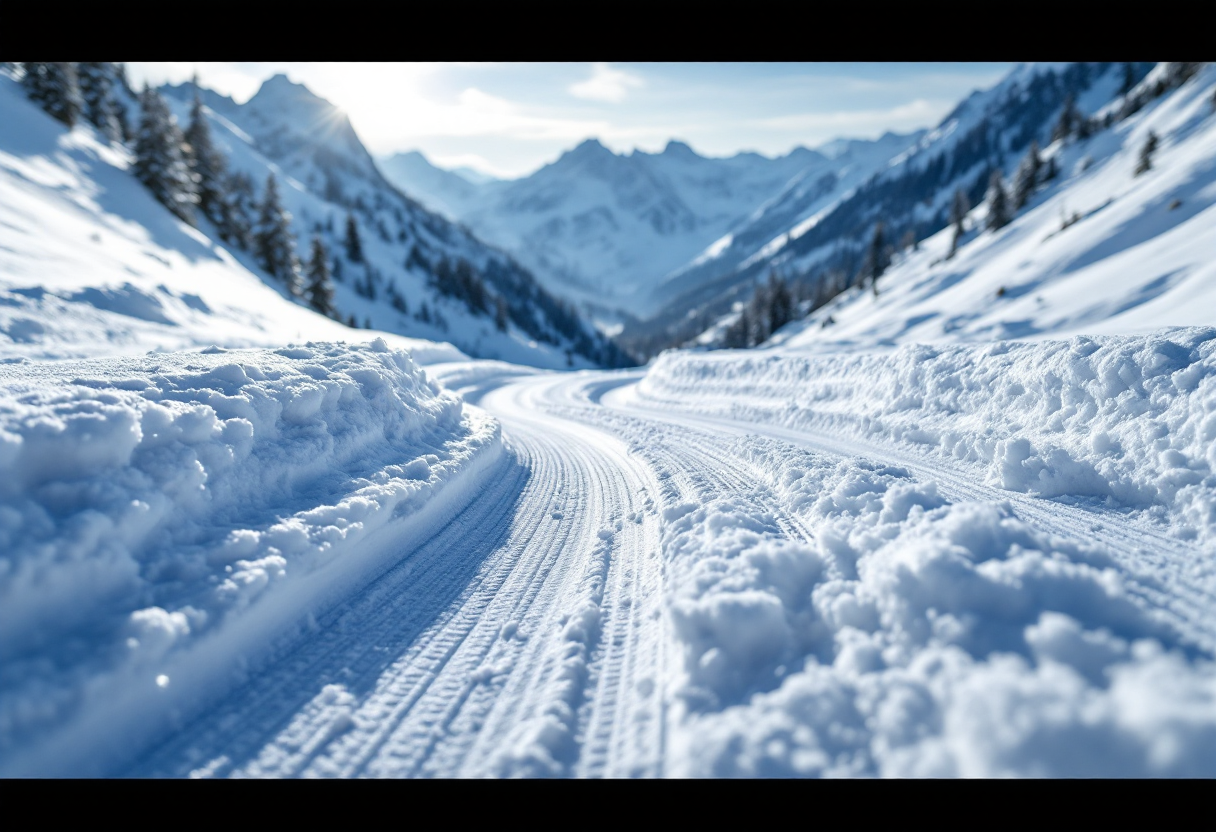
(606, 84)
(914, 114)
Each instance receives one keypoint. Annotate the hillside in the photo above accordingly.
(1098, 250)
(92, 265)
(911, 196)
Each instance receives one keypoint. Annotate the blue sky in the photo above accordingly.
(509, 119)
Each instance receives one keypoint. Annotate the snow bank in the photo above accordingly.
(1126, 422)
(906, 635)
(163, 519)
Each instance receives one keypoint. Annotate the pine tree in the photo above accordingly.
(54, 87)
(96, 90)
(1051, 170)
(876, 258)
(159, 161)
(207, 163)
(1145, 162)
(354, 246)
(736, 335)
(122, 92)
(274, 245)
(500, 314)
(959, 207)
(780, 304)
(1067, 122)
(998, 202)
(320, 291)
(1027, 178)
(1129, 78)
(238, 209)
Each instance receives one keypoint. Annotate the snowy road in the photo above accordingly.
(631, 595)
(524, 638)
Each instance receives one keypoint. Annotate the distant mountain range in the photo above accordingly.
(607, 228)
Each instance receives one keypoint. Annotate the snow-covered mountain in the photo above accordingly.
(808, 232)
(328, 176)
(1099, 249)
(441, 190)
(92, 265)
(605, 228)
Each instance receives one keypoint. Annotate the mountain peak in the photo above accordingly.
(679, 150)
(279, 90)
(591, 147)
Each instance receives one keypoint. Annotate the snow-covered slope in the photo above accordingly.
(1099, 250)
(328, 175)
(788, 212)
(910, 193)
(90, 264)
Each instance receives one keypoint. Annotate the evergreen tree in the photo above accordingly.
(1067, 122)
(319, 292)
(736, 335)
(500, 314)
(1051, 170)
(1145, 162)
(998, 202)
(207, 163)
(274, 245)
(1027, 178)
(159, 161)
(780, 304)
(876, 258)
(96, 90)
(354, 246)
(122, 92)
(959, 207)
(54, 87)
(238, 209)
(1129, 78)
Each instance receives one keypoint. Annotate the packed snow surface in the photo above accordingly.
(164, 518)
(897, 545)
(938, 561)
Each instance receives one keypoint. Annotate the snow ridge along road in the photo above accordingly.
(523, 639)
(644, 586)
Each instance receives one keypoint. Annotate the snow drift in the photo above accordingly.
(1128, 422)
(845, 616)
(164, 519)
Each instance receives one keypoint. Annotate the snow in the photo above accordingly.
(91, 265)
(952, 534)
(154, 509)
(1138, 259)
(603, 228)
(1125, 421)
(930, 623)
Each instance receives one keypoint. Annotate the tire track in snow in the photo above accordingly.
(1167, 586)
(428, 671)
